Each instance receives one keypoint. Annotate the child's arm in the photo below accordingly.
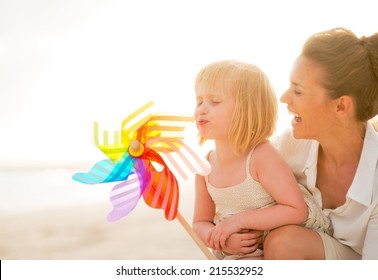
(204, 211)
(271, 170)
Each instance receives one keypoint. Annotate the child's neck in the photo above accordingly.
(224, 153)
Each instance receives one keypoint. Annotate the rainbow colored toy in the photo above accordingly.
(136, 160)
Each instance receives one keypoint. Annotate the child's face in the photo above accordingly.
(213, 113)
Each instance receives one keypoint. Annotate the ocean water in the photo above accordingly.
(31, 189)
(28, 189)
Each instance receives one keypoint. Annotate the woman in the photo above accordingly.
(333, 94)
(332, 147)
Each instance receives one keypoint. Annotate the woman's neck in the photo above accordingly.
(342, 146)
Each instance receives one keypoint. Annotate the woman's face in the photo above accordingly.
(308, 101)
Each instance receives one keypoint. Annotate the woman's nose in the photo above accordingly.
(285, 97)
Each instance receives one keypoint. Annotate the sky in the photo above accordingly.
(66, 64)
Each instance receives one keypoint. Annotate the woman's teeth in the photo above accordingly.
(297, 118)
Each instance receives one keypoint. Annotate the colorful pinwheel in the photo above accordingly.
(136, 162)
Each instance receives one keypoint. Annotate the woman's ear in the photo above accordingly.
(344, 105)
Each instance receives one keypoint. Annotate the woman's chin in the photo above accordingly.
(297, 131)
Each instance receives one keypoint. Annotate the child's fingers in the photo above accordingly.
(210, 240)
(215, 240)
(223, 241)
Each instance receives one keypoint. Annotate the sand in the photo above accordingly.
(80, 231)
(83, 233)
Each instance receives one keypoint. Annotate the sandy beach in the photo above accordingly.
(52, 218)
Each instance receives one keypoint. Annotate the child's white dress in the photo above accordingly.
(250, 194)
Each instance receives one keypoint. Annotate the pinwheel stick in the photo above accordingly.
(195, 237)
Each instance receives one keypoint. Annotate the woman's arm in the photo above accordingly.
(271, 170)
(204, 210)
(370, 249)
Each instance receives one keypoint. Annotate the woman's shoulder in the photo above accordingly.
(285, 143)
(298, 153)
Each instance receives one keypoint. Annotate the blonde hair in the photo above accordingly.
(255, 114)
(351, 67)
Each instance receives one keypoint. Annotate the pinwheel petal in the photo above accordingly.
(115, 144)
(97, 174)
(162, 190)
(135, 121)
(186, 161)
(124, 197)
(164, 125)
(112, 148)
(122, 169)
(107, 171)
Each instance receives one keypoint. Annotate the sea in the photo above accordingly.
(39, 188)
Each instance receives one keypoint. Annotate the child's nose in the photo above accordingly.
(202, 108)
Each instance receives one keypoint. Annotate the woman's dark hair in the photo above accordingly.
(351, 67)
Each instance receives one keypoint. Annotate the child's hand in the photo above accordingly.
(244, 242)
(218, 236)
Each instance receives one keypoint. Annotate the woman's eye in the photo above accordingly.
(297, 92)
